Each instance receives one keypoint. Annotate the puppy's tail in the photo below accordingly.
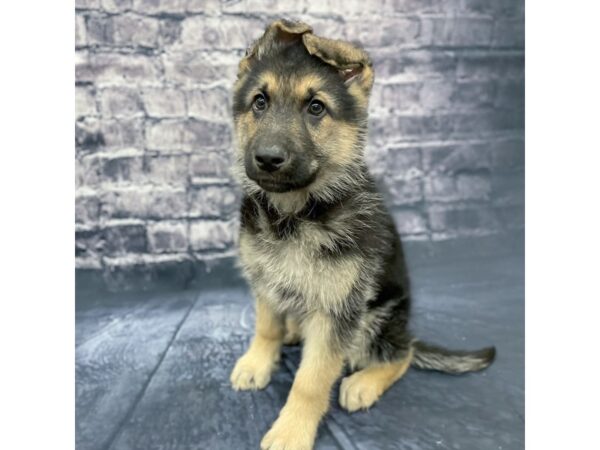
(432, 357)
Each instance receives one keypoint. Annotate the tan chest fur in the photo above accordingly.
(296, 265)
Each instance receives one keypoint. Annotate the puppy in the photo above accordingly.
(317, 245)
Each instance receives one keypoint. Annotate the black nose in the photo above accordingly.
(270, 158)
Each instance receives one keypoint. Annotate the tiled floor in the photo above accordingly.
(153, 369)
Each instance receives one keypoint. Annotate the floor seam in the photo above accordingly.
(338, 433)
(97, 334)
(115, 436)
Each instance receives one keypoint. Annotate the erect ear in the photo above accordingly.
(277, 33)
(353, 63)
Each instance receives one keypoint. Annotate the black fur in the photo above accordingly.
(354, 225)
(317, 245)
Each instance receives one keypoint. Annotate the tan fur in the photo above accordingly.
(359, 94)
(363, 388)
(271, 81)
(308, 400)
(292, 331)
(289, 202)
(323, 283)
(345, 137)
(300, 87)
(253, 370)
(341, 142)
(352, 62)
(316, 243)
(246, 128)
(296, 266)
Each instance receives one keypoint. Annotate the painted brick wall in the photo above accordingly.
(153, 131)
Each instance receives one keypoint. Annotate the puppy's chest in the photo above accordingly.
(294, 271)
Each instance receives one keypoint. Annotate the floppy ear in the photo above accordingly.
(353, 63)
(277, 33)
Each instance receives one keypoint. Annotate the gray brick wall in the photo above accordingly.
(153, 131)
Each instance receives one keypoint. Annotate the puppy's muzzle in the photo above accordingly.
(271, 158)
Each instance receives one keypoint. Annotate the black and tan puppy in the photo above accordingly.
(317, 245)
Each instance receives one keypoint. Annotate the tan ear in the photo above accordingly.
(353, 63)
(276, 33)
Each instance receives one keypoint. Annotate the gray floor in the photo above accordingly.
(152, 369)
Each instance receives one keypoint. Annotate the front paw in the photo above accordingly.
(289, 434)
(252, 372)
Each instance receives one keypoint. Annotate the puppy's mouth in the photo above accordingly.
(282, 185)
(271, 185)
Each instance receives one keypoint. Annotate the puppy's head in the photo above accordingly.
(300, 109)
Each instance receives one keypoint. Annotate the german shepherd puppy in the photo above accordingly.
(317, 245)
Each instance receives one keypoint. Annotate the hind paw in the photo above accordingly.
(358, 392)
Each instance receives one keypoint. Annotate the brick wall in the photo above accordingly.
(153, 131)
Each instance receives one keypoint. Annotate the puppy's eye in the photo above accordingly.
(259, 103)
(316, 108)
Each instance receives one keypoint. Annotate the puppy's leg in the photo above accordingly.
(292, 331)
(308, 401)
(363, 388)
(253, 370)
